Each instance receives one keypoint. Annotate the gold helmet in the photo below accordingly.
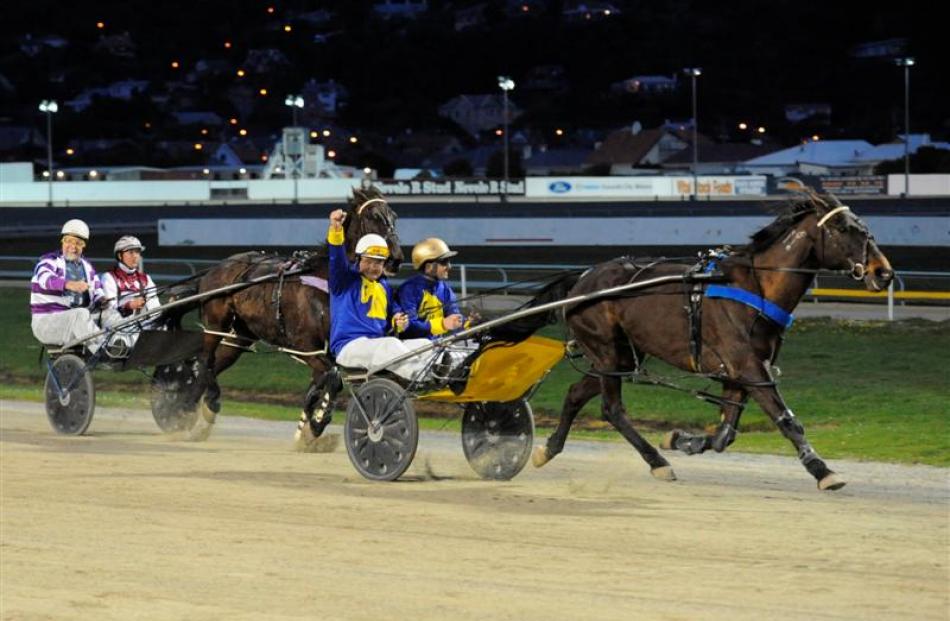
(431, 249)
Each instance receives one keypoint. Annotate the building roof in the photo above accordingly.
(895, 150)
(721, 152)
(572, 158)
(825, 152)
(623, 146)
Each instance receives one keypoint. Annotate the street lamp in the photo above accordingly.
(906, 62)
(294, 102)
(505, 84)
(50, 107)
(693, 73)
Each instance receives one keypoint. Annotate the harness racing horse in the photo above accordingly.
(289, 312)
(730, 332)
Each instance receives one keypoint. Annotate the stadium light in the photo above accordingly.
(49, 107)
(693, 73)
(506, 84)
(294, 102)
(906, 62)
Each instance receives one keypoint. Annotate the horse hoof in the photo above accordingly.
(306, 442)
(831, 482)
(207, 413)
(539, 456)
(663, 473)
(667, 442)
(203, 425)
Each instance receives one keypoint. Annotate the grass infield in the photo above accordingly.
(864, 390)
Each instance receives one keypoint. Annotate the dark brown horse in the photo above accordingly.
(289, 313)
(737, 339)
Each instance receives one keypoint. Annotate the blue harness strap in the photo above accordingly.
(769, 309)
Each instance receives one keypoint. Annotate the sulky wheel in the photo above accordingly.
(381, 431)
(497, 437)
(70, 396)
(173, 387)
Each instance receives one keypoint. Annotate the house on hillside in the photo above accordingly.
(821, 157)
(543, 161)
(198, 117)
(628, 149)
(325, 98)
(646, 85)
(404, 9)
(32, 46)
(265, 60)
(589, 11)
(714, 158)
(478, 113)
(123, 89)
(895, 150)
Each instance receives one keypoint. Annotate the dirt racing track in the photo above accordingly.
(126, 523)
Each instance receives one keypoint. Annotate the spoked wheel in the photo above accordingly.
(70, 396)
(497, 437)
(381, 430)
(173, 388)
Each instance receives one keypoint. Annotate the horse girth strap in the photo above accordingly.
(694, 313)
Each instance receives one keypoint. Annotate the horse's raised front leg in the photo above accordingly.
(317, 411)
(772, 403)
(577, 396)
(615, 413)
(733, 402)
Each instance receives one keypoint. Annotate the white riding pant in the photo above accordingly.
(366, 353)
(65, 327)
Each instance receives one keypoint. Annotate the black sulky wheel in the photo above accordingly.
(497, 437)
(70, 396)
(381, 431)
(173, 387)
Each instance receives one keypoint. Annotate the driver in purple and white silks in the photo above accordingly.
(64, 290)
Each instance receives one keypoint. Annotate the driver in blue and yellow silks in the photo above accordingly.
(363, 310)
(427, 298)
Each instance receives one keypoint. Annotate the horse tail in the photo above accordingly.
(520, 329)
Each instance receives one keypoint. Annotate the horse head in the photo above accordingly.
(369, 212)
(844, 242)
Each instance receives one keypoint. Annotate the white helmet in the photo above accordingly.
(127, 242)
(77, 228)
(372, 246)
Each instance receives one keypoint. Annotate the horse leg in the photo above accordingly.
(733, 402)
(577, 395)
(318, 410)
(615, 413)
(772, 403)
(207, 383)
(222, 359)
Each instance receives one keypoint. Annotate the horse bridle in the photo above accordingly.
(858, 270)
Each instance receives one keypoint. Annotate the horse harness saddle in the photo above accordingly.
(709, 264)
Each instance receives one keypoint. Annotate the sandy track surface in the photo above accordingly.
(126, 523)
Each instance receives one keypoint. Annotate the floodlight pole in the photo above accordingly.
(506, 84)
(695, 72)
(906, 63)
(49, 107)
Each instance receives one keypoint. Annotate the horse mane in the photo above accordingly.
(787, 215)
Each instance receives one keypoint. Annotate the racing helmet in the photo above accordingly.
(372, 246)
(127, 242)
(431, 249)
(76, 228)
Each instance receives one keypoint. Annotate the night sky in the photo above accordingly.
(756, 59)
